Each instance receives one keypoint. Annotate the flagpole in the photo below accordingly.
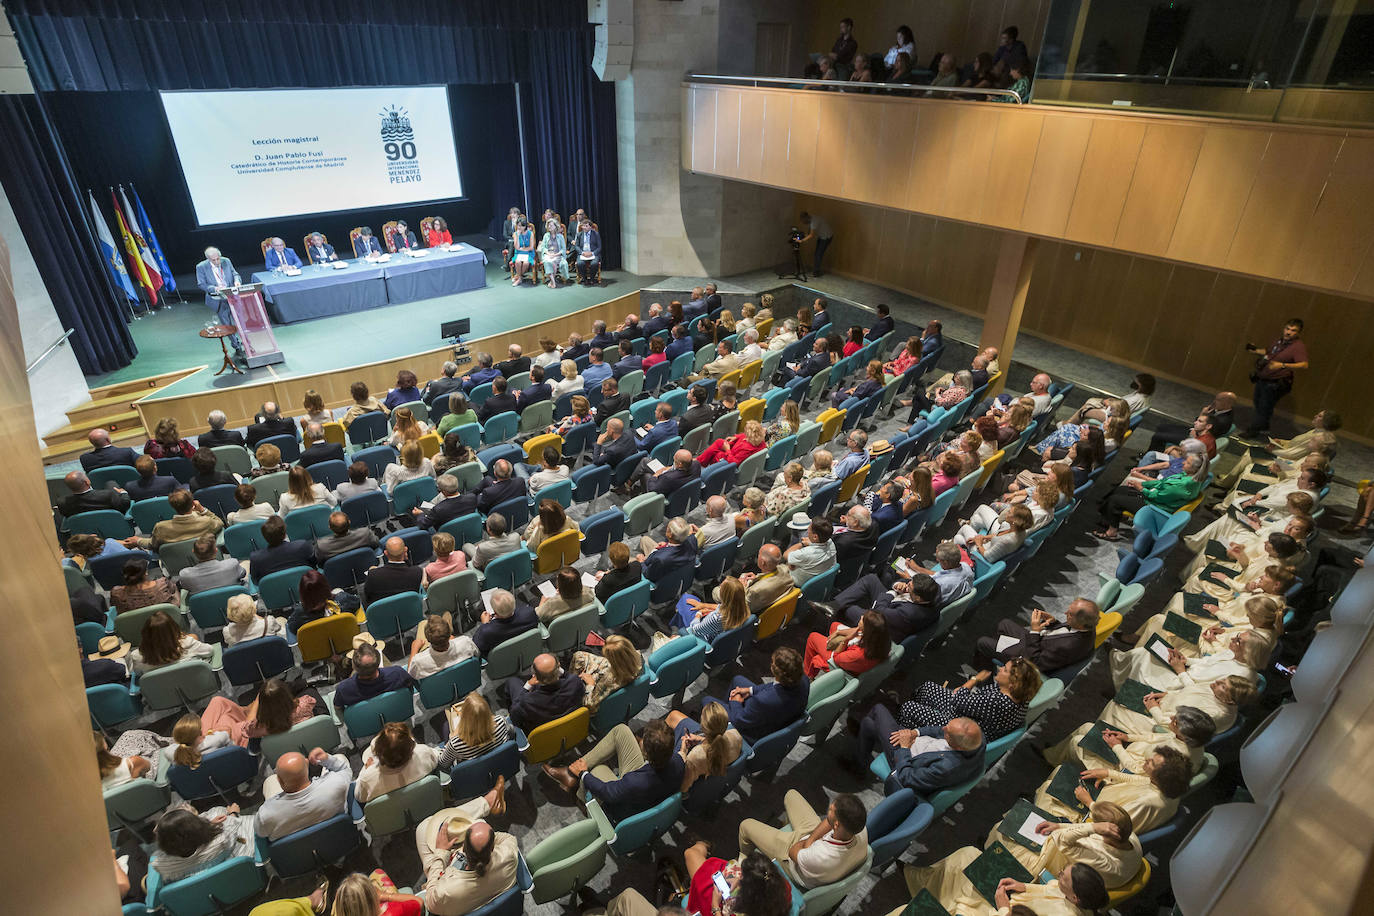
(176, 290)
(90, 196)
(138, 287)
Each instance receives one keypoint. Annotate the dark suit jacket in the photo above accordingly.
(926, 774)
(492, 492)
(581, 349)
(693, 307)
(391, 579)
(352, 691)
(594, 243)
(1051, 651)
(652, 326)
(105, 671)
(886, 516)
(904, 617)
(321, 451)
(364, 245)
(614, 581)
(440, 387)
(813, 363)
(320, 253)
(661, 431)
(284, 556)
(851, 545)
(604, 341)
(88, 608)
(212, 437)
(282, 426)
(668, 558)
(614, 452)
(673, 478)
(694, 416)
(489, 635)
(770, 707)
(108, 457)
(546, 702)
(497, 403)
(713, 303)
(613, 405)
(92, 500)
(624, 367)
(880, 327)
(534, 394)
(148, 488)
(980, 377)
(514, 366)
(638, 790)
(445, 511)
(213, 479)
(678, 346)
(633, 332)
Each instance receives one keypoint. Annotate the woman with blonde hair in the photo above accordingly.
(725, 323)
(751, 510)
(166, 441)
(163, 643)
(997, 701)
(302, 491)
(269, 460)
(405, 428)
(413, 465)
(618, 665)
(571, 379)
(746, 319)
(315, 411)
(372, 895)
(787, 422)
(191, 741)
(765, 307)
(789, 493)
(448, 559)
(473, 731)
(708, 747)
(244, 624)
(707, 621)
(552, 519)
(736, 448)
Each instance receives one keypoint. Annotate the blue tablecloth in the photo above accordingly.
(436, 274)
(322, 291)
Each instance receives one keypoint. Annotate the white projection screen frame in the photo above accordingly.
(259, 154)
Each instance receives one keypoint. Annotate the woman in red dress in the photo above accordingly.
(852, 649)
(736, 448)
(167, 442)
(438, 233)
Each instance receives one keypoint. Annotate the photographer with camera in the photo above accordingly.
(818, 229)
(1273, 374)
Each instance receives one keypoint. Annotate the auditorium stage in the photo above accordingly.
(168, 339)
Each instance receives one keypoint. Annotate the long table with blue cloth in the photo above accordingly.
(321, 290)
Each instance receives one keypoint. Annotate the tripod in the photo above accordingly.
(797, 272)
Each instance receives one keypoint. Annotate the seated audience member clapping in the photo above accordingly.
(188, 843)
(852, 649)
(244, 623)
(303, 802)
(393, 760)
(997, 701)
(506, 618)
(413, 465)
(1046, 643)
(925, 760)
(736, 448)
(343, 538)
(548, 694)
(816, 850)
(370, 677)
(618, 665)
(448, 559)
(163, 643)
(570, 595)
(303, 491)
(473, 731)
(139, 591)
(436, 648)
(625, 774)
(358, 482)
(497, 542)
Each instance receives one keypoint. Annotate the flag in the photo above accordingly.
(137, 269)
(150, 236)
(109, 252)
(146, 256)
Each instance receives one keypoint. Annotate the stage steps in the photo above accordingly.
(110, 407)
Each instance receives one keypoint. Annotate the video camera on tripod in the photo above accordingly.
(794, 238)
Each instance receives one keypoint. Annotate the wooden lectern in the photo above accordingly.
(250, 314)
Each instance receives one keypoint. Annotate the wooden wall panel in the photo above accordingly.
(703, 133)
(1284, 196)
(728, 131)
(889, 178)
(802, 138)
(975, 139)
(1217, 191)
(1341, 231)
(1014, 155)
(752, 122)
(1053, 180)
(836, 119)
(892, 251)
(1137, 308)
(1158, 184)
(930, 158)
(1211, 357)
(1188, 292)
(1104, 181)
(777, 136)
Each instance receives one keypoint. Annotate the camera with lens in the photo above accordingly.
(794, 237)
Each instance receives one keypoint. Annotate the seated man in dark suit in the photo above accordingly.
(499, 487)
(318, 250)
(629, 329)
(612, 401)
(550, 693)
(889, 513)
(207, 472)
(316, 448)
(342, 538)
(1049, 644)
(624, 774)
(217, 434)
(613, 446)
(684, 469)
(514, 363)
(395, 575)
(507, 618)
(909, 607)
(587, 249)
(601, 338)
(696, 304)
(713, 301)
(370, 679)
(757, 710)
(499, 401)
(85, 499)
(444, 385)
(576, 347)
(680, 343)
(854, 544)
(677, 552)
(485, 372)
(664, 428)
(538, 390)
(628, 362)
(815, 361)
(149, 483)
(270, 423)
(701, 413)
(882, 325)
(366, 244)
(448, 505)
(105, 455)
(658, 320)
(924, 760)
(279, 553)
(279, 256)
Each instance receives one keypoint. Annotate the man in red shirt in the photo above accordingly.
(1273, 375)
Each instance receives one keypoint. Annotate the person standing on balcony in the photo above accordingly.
(844, 49)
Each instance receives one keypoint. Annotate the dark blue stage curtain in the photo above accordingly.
(544, 45)
(52, 216)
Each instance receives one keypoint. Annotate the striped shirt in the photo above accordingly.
(457, 750)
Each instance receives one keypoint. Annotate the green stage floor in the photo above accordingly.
(168, 340)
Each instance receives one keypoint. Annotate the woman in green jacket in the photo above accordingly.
(1168, 494)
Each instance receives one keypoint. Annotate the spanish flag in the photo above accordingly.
(137, 269)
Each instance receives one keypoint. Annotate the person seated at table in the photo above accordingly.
(438, 233)
(401, 238)
(279, 257)
(523, 251)
(319, 250)
(587, 244)
(367, 245)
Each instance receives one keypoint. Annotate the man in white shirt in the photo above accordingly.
(816, 850)
(783, 335)
(813, 554)
(751, 349)
(817, 228)
(718, 528)
(302, 802)
(438, 648)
